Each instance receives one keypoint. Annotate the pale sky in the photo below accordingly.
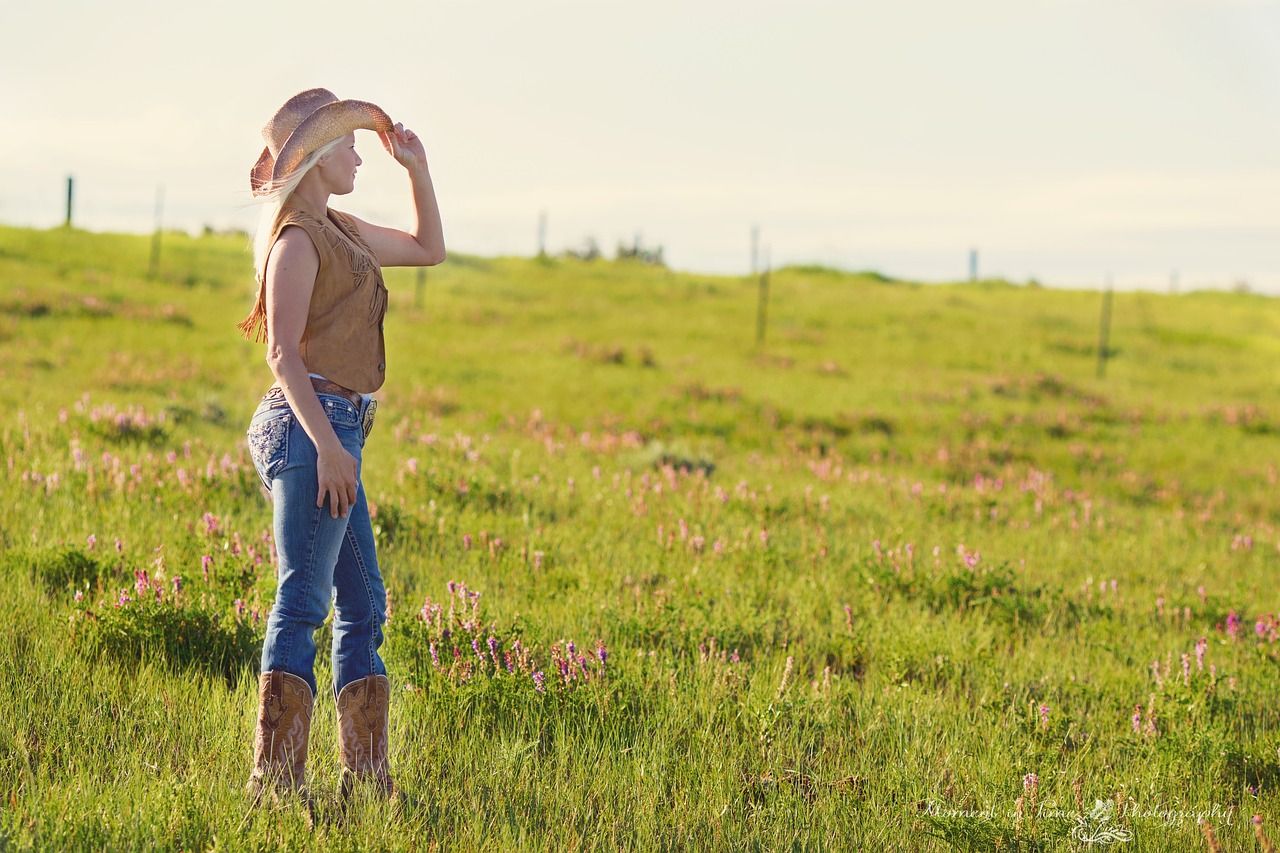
(1065, 139)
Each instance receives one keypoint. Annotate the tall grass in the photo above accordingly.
(907, 577)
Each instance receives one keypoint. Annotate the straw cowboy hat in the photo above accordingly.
(306, 122)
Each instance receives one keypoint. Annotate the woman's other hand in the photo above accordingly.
(337, 477)
(405, 146)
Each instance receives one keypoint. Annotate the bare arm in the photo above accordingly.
(424, 247)
(291, 277)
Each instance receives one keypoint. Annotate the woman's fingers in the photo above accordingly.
(340, 499)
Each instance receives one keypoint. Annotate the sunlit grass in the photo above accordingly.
(850, 588)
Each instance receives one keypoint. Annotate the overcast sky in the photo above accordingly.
(1065, 139)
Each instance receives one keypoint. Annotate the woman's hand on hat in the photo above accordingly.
(405, 146)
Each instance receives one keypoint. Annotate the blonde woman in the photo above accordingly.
(320, 308)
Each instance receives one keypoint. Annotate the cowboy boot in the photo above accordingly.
(362, 734)
(280, 743)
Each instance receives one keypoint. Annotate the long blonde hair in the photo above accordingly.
(272, 203)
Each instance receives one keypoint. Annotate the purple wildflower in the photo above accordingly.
(539, 682)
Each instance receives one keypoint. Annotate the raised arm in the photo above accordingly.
(291, 277)
(424, 247)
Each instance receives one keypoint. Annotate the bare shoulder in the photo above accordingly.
(295, 248)
(293, 255)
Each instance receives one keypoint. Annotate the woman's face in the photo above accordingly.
(339, 166)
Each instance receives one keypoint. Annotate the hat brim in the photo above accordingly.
(326, 124)
(260, 174)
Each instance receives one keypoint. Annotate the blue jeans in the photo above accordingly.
(320, 558)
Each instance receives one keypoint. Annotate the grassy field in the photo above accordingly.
(907, 577)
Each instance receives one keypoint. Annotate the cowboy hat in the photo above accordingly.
(307, 121)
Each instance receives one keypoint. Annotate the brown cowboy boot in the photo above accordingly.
(362, 734)
(280, 744)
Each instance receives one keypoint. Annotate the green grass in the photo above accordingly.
(837, 576)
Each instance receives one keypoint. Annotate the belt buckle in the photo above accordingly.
(367, 425)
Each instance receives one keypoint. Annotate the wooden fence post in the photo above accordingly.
(154, 268)
(1104, 330)
(763, 301)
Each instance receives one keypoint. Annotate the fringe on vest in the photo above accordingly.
(363, 266)
(257, 318)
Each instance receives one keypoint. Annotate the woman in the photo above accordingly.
(321, 302)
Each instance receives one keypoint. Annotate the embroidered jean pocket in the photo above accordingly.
(269, 444)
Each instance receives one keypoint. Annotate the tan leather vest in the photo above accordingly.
(343, 339)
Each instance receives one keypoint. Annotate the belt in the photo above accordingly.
(324, 386)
